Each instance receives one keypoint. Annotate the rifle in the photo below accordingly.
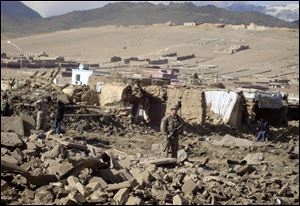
(169, 136)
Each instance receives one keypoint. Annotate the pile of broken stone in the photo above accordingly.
(75, 172)
(43, 168)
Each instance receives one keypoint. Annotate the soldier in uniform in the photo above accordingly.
(171, 124)
(42, 114)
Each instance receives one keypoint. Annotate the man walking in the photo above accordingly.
(42, 114)
(171, 126)
(263, 128)
(59, 116)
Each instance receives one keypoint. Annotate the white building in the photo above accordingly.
(190, 23)
(81, 75)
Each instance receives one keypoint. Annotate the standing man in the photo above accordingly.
(42, 114)
(263, 128)
(171, 127)
(59, 116)
(5, 105)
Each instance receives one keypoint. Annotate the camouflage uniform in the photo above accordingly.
(168, 124)
(41, 119)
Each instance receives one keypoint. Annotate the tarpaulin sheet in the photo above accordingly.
(271, 101)
(221, 102)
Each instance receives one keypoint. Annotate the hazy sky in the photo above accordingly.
(52, 8)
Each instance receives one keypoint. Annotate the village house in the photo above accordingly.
(162, 73)
(80, 75)
(279, 83)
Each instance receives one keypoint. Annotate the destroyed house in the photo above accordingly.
(198, 104)
(266, 105)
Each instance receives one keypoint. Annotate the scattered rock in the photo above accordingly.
(9, 159)
(76, 197)
(44, 197)
(98, 197)
(82, 189)
(121, 196)
(125, 163)
(4, 185)
(14, 124)
(98, 180)
(72, 181)
(181, 155)
(55, 151)
(245, 169)
(134, 201)
(28, 194)
(189, 187)
(179, 200)
(60, 168)
(283, 189)
(231, 141)
(11, 139)
(117, 186)
(143, 178)
(254, 158)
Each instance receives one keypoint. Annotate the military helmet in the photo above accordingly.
(174, 106)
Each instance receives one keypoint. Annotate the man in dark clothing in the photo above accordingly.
(5, 107)
(59, 116)
(263, 128)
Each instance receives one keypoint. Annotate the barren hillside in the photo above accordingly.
(275, 50)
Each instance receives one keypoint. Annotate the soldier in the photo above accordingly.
(171, 126)
(42, 107)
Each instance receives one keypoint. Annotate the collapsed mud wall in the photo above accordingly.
(193, 103)
(157, 101)
(93, 80)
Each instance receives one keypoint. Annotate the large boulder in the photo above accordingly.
(14, 124)
(10, 139)
(114, 94)
(231, 141)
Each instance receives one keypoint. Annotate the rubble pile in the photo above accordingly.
(221, 170)
(216, 165)
(82, 104)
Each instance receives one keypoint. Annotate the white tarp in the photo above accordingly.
(272, 101)
(221, 102)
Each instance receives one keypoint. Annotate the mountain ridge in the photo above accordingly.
(142, 13)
